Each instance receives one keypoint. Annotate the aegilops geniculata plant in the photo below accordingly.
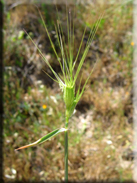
(68, 83)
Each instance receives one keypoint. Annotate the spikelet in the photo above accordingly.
(69, 96)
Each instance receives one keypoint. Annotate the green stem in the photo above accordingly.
(66, 152)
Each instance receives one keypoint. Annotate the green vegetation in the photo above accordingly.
(35, 107)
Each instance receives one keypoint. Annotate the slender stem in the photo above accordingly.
(66, 152)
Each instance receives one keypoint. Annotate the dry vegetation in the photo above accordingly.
(100, 136)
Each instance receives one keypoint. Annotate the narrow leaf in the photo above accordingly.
(43, 139)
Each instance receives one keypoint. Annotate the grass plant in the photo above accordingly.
(68, 82)
(70, 74)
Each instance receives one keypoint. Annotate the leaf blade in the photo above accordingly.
(43, 139)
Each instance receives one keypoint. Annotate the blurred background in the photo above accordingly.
(100, 131)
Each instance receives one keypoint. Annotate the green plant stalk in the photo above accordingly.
(66, 156)
(66, 151)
